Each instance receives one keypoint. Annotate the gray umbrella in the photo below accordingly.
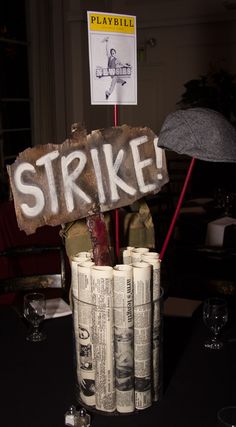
(201, 133)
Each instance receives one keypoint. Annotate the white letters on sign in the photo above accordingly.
(39, 204)
(47, 162)
(55, 184)
(98, 172)
(139, 165)
(71, 188)
(113, 169)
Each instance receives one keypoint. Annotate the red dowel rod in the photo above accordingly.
(178, 206)
(117, 237)
(115, 115)
(117, 233)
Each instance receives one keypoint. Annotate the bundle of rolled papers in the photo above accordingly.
(117, 324)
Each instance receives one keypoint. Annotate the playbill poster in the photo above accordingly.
(112, 58)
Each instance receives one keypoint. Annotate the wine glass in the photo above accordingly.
(215, 316)
(227, 416)
(35, 312)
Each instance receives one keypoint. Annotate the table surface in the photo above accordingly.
(38, 379)
(194, 218)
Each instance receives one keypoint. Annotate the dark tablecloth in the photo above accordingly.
(38, 380)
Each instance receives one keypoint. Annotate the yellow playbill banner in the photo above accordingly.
(111, 23)
(112, 58)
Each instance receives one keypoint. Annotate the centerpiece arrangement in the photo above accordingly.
(116, 298)
(116, 302)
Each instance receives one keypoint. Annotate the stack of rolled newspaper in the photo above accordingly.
(117, 324)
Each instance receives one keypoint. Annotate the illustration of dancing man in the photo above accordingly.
(113, 64)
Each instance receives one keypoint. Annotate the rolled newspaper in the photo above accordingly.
(123, 337)
(126, 255)
(136, 254)
(103, 339)
(156, 323)
(142, 334)
(75, 261)
(85, 356)
(151, 254)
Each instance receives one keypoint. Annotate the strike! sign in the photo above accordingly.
(107, 169)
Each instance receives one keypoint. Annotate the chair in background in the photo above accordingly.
(36, 261)
(46, 268)
(230, 237)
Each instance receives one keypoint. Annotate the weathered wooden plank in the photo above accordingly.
(107, 169)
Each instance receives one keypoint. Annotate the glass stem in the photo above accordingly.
(35, 329)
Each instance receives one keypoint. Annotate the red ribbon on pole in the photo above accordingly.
(115, 115)
(117, 231)
(173, 221)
